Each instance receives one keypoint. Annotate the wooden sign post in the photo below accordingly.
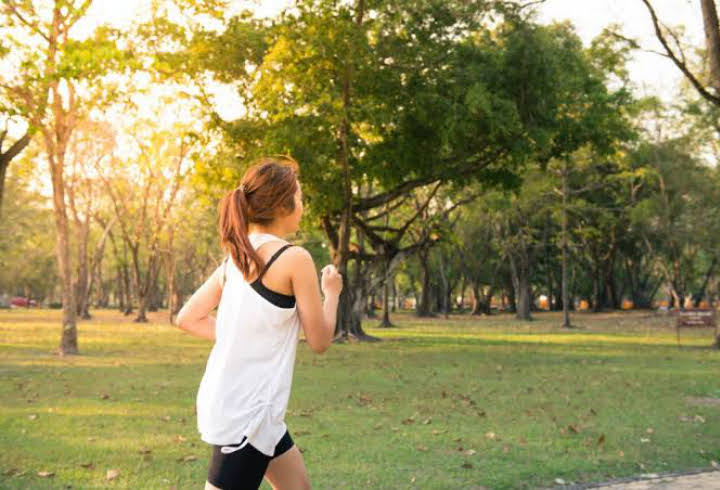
(697, 318)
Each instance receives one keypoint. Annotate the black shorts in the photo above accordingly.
(243, 469)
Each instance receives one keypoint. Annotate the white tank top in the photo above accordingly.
(244, 392)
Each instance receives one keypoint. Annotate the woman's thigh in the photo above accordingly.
(287, 471)
(239, 470)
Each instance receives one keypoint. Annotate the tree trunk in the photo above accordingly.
(96, 267)
(524, 297)
(698, 296)
(548, 262)
(712, 41)
(596, 294)
(423, 308)
(83, 232)
(565, 294)
(171, 275)
(68, 337)
(446, 290)
(521, 285)
(476, 307)
(396, 305)
(389, 279)
(370, 310)
(463, 286)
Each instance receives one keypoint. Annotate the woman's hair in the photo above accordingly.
(266, 191)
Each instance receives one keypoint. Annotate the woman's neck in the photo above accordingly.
(267, 229)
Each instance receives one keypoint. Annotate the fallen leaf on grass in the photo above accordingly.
(427, 420)
(179, 438)
(187, 459)
(32, 416)
(89, 465)
(112, 474)
(601, 439)
(470, 452)
(490, 435)
(45, 474)
(467, 465)
(104, 396)
(365, 398)
(696, 418)
(145, 451)
(559, 481)
(422, 448)
(408, 420)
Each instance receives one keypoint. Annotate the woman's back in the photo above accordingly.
(247, 381)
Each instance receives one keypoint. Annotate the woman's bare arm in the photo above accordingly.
(194, 317)
(317, 318)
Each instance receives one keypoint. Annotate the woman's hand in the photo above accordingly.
(332, 281)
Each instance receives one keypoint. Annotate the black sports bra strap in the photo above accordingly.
(272, 259)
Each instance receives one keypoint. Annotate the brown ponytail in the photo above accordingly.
(266, 191)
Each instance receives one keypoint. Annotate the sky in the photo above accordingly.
(651, 73)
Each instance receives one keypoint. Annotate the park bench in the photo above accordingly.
(697, 318)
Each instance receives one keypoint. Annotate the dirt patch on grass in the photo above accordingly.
(703, 400)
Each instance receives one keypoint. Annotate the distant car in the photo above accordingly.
(20, 302)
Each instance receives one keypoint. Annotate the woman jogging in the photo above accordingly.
(244, 391)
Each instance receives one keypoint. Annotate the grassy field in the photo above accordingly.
(452, 403)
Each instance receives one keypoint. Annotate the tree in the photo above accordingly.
(143, 193)
(396, 97)
(91, 143)
(57, 81)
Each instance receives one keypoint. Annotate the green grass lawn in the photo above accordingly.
(452, 403)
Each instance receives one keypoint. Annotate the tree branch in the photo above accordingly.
(682, 66)
(16, 148)
(12, 8)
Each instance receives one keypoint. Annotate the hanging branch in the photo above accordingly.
(679, 60)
